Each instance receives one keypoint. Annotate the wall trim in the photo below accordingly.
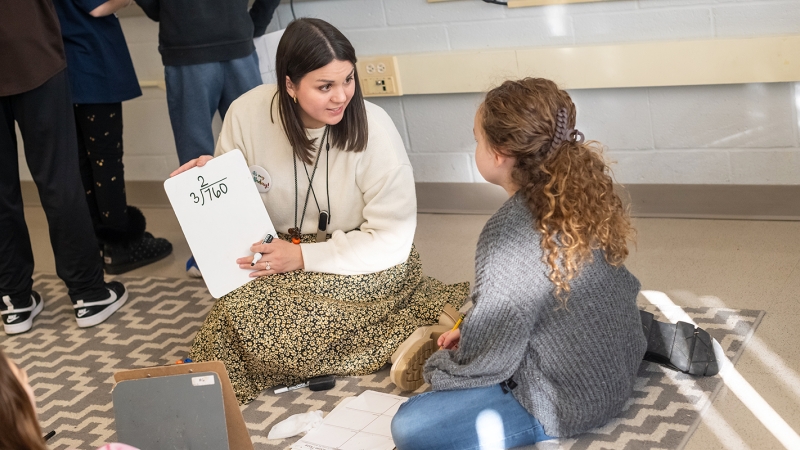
(769, 59)
(689, 201)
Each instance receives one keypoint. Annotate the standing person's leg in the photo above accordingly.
(99, 128)
(87, 178)
(193, 94)
(46, 121)
(19, 304)
(119, 227)
(241, 75)
(485, 417)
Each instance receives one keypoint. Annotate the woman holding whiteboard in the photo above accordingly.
(343, 287)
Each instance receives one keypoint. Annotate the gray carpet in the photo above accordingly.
(71, 370)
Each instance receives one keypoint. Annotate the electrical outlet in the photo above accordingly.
(379, 76)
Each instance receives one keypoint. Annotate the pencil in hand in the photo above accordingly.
(455, 327)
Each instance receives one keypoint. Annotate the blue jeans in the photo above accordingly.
(196, 91)
(477, 418)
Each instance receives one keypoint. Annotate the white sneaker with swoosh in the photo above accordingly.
(90, 313)
(19, 320)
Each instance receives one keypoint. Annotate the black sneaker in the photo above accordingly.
(92, 311)
(19, 320)
(126, 257)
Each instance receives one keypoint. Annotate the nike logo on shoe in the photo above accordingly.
(82, 312)
(11, 318)
(112, 297)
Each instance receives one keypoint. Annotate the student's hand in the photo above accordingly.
(279, 256)
(199, 162)
(449, 339)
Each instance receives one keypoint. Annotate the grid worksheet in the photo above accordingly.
(357, 423)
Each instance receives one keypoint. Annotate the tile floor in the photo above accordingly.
(738, 264)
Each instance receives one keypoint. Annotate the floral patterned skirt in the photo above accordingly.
(287, 328)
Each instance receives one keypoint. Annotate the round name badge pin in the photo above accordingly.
(261, 178)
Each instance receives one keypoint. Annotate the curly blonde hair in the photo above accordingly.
(567, 185)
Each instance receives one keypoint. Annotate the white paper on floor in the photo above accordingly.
(357, 423)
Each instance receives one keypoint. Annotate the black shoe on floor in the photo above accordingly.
(94, 310)
(19, 320)
(680, 346)
(146, 250)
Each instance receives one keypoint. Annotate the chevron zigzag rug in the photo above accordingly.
(71, 370)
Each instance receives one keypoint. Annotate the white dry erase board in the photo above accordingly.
(221, 215)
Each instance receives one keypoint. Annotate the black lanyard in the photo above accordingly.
(295, 232)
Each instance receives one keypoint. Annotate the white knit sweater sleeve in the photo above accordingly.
(386, 182)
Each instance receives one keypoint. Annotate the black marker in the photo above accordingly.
(322, 383)
(258, 256)
(49, 435)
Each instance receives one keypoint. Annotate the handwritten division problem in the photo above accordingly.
(214, 190)
(221, 213)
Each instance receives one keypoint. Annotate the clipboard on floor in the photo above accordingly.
(174, 378)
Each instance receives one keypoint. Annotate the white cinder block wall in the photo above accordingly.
(725, 134)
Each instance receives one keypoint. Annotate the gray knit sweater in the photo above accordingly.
(574, 368)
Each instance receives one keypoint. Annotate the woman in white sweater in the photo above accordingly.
(343, 287)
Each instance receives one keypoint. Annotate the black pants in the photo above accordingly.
(99, 129)
(46, 121)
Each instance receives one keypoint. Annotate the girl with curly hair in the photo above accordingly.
(554, 340)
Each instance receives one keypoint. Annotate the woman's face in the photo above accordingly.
(22, 377)
(323, 94)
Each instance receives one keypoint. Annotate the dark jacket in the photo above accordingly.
(31, 51)
(203, 31)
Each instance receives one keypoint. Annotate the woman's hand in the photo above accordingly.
(199, 162)
(276, 257)
(449, 339)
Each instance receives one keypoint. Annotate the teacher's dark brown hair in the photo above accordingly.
(306, 45)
